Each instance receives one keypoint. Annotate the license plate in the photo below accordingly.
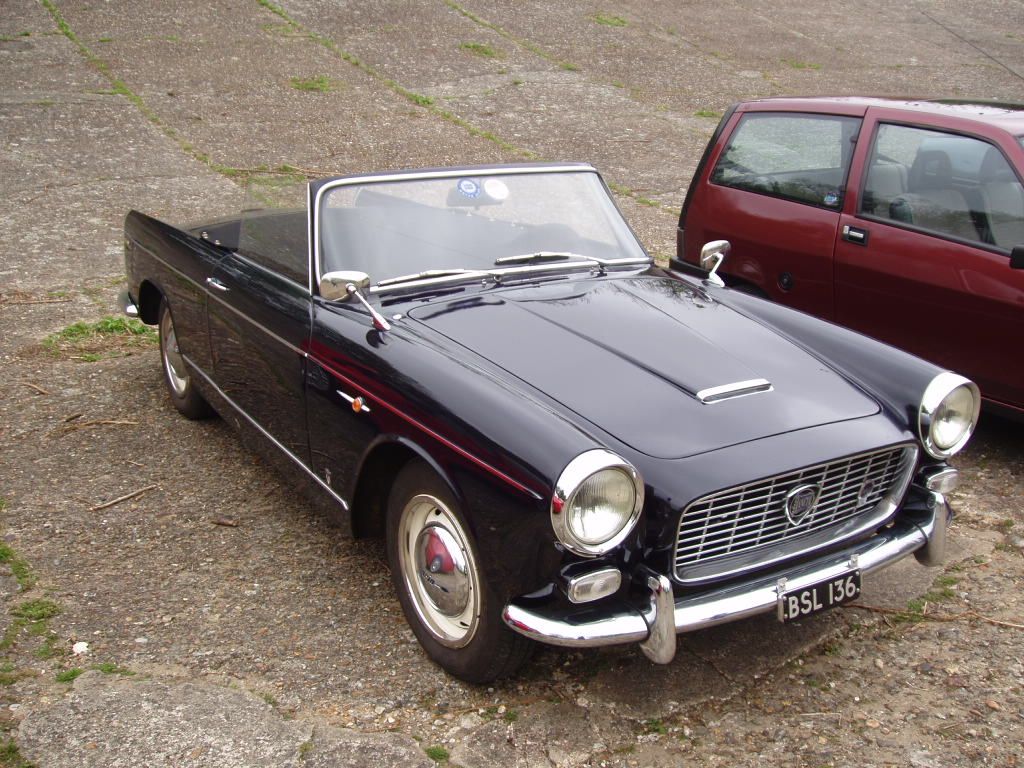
(807, 601)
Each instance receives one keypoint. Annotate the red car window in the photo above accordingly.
(949, 184)
(799, 157)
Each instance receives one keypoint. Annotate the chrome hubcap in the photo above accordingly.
(439, 571)
(174, 364)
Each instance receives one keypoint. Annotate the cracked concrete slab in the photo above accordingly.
(537, 738)
(79, 158)
(233, 82)
(110, 721)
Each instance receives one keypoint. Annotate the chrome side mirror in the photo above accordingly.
(711, 257)
(334, 285)
(341, 286)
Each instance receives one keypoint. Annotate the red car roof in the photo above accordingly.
(1006, 116)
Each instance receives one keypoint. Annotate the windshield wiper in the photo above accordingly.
(525, 266)
(538, 257)
(429, 273)
(578, 258)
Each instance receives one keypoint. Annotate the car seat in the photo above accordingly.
(1003, 199)
(931, 201)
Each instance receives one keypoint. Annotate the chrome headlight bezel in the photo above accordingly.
(935, 394)
(571, 480)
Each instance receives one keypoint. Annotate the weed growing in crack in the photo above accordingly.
(481, 49)
(794, 64)
(437, 754)
(68, 675)
(19, 568)
(318, 83)
(36, 610)
(10, 756)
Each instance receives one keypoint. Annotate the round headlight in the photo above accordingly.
(948, 414)
(596, 503)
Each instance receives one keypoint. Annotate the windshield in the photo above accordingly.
(469, 220)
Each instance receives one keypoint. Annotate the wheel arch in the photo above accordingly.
(149, 297)
(379, 467)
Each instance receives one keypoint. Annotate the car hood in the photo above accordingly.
(629, 355)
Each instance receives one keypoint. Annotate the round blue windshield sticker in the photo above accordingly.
(469, 188)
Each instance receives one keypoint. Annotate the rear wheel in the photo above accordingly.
(177, 377)
(444, 594)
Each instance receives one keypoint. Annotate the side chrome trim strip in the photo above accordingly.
(266, 434)
(736, 389)
(263, 268)
(427, 430)
(205, 289)
(270, 333)
(418, 425)
(171, 267)
(236, 254)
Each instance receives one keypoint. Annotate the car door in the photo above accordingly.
(260, 318)
(775, 192)
(923, 262)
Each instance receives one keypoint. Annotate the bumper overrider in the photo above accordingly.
(655, 625)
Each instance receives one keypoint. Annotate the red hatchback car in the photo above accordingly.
(903, 220)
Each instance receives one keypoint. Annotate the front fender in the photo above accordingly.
(895, 378)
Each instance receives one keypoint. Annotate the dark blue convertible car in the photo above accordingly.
(558, 440)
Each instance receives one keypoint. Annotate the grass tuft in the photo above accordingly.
(654, 725)
(19, 568)
(106, 337)
(419, 99)
(36, 610)
(10, 756)
(610, 21)
(68, 675)
(437, 754)
(51, 647)
(481, 49)
(318, 83)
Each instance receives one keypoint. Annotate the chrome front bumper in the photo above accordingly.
(655, 627)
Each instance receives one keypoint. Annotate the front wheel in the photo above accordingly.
(435, 569)
(184, 395)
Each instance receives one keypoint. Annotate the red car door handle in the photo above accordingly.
(855, 235)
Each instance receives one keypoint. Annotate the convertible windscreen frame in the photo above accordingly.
(624, 238)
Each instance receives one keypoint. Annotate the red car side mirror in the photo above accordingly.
(1017, 257)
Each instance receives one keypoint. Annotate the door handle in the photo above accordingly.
(855, 235)
(213, 282)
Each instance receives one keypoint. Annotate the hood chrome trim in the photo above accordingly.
(736, 389)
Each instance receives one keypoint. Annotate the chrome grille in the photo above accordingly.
(740, 519)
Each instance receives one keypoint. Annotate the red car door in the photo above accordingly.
(774, 187)
(922, 261)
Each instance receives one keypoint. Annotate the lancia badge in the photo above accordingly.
(800, 502)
